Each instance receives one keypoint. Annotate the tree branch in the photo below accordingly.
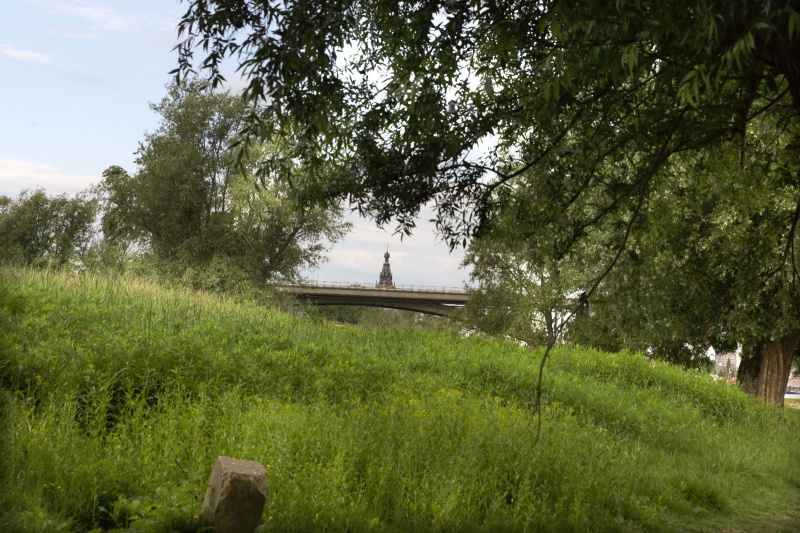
(662, 156)
(789, 248)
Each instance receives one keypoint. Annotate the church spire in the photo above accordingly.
(385, 280)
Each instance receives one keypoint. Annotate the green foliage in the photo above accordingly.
(117, 397)
(406, 93)
(198, 209)
(377, 317)
(655, 139)
(46, 231)
(516, 292)
(346, 314)
(712, 264)
(708, 260)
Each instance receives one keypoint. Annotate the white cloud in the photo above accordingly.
(421, 259)
(98, 15)
(16, 176)
(84, 78)
(87, 19)
(9, 50)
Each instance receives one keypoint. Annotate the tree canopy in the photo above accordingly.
(198, 209)
(46, 231)
(517, 294)
(409, 92)
(666, 133)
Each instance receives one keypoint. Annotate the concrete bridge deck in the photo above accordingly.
(431, 300)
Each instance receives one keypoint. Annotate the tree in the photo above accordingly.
(514, 292)
(712, 265)
(185, 170)
(698, 271)
(46, 231)
(200, 211)
(587, 104)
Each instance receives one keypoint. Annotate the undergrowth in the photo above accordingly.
(117, 396)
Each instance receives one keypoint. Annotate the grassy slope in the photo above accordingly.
(117, 397)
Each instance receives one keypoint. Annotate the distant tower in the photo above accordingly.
(385, 281)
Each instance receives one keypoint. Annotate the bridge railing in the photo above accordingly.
(375, 286)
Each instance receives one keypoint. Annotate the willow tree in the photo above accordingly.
(43, 231)
(451, 102)
(192, 207)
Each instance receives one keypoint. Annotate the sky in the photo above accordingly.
(77, 80)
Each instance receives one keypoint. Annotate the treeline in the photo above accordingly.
(197, 210)
(46, 231)
(377, 317)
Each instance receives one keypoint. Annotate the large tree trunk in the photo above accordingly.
(766, 373)
(747, 376)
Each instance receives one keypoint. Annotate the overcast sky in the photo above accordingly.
(77, 79)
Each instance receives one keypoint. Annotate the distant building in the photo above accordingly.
(730, 360)
(728, 363)
(385, 279)
(793, 387)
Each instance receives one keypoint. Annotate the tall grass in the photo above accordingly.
(118, 395)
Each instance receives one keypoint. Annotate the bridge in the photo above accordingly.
(441, 301)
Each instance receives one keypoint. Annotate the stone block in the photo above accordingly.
(236, 496)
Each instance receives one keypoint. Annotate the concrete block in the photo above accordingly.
(236, 496)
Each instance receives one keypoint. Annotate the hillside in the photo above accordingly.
(117, 396)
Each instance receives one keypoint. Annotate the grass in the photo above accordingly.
(117, 396)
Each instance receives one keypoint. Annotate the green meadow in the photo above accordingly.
(116, 396)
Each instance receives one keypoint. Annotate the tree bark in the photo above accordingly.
(767, 372)
(747, 376)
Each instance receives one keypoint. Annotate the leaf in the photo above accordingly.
(688, 91)
(555, 29)
(794, 23)
(629, 57)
